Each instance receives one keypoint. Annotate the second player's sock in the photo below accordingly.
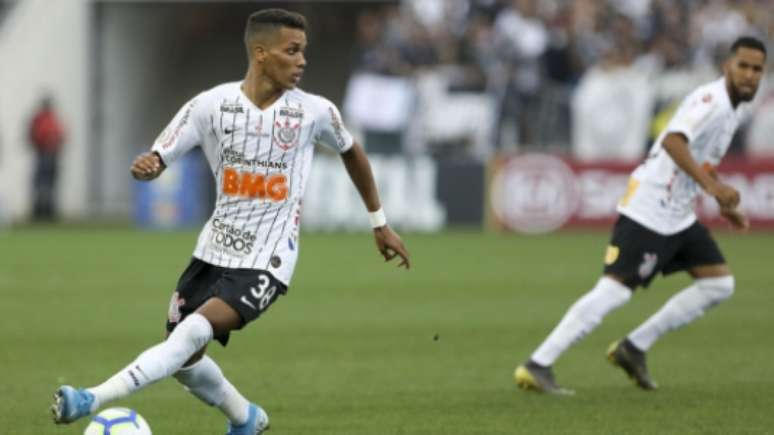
(682, 308)
(582, 317)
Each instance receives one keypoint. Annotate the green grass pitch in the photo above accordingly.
(351, 350)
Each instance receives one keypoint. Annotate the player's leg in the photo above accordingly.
(162, 360)
(202, 377)
(248, 294)
(214, 318)
(713, 283)
(156, 363)
(205, 380)
(583, 316)
(631, 260)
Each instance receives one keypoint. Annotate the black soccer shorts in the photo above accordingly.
(248, 291)
(637, 254)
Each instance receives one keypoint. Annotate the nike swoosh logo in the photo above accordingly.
(228, 130)
(247, 302)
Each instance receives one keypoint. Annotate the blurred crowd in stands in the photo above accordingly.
(593, 78)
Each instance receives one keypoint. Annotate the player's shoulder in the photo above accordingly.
(709, 95)
(315, 102)
(222, 97)
(222, 91)
(706, 101)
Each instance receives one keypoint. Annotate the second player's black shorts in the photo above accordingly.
(637, 254)
(248, 291)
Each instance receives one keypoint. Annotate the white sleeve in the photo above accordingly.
(331, 131)
(694, 115)
(183, 132)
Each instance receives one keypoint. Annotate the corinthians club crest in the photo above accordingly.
(287, 128)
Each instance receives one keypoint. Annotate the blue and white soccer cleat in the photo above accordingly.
(70, 404)
(257, 423)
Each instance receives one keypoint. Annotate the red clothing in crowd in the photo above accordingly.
(46, 132)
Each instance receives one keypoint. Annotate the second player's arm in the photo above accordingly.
(727, 197)
(676, 145)
(387, 241)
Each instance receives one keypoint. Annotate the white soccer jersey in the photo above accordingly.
(660, 195)
(260, 160)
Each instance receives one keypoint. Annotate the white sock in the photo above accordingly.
(205, 380)
(683, 308)
(234, 405)
(582, 317)
(156, 363)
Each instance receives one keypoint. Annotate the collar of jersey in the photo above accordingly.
(253, 105)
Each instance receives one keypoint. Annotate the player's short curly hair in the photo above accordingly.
(268, 20)
(748, 42)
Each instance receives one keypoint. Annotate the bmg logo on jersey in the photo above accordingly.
(231, 239)
(250, 185)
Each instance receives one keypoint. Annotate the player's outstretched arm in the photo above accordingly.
(676, 146)
(390, 245)
(388, 242)
(737, 219)
(147, 166)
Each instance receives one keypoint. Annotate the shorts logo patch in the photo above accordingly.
(649, 261)
(174, 308)
(611, 254)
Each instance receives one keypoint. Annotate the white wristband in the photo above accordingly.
(377, 218)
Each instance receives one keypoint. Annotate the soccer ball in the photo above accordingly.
(118, 421)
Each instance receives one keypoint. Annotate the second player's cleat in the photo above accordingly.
(534, 377)
(625, 355)
(70, 404)
(257, 423)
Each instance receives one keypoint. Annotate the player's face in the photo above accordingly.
(744, 71)
(285, 62)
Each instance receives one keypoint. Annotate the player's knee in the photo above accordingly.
(717, 289)
(195, 357)
(194, 333)
(207, 388)
(211, 395)
(614, 289)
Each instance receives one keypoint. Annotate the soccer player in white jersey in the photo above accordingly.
(657, 230)
(259, 136)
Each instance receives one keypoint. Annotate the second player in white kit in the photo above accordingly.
(657, 231)
(661, 195)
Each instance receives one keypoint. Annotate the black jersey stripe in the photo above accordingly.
(265, 203)
(231, 144)
(221, 114)
(292, 206)
(200, 250)
(220, 148)
(284, 204)
(219, 168)
(279, 209)
(244, 153)
(256, 202)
